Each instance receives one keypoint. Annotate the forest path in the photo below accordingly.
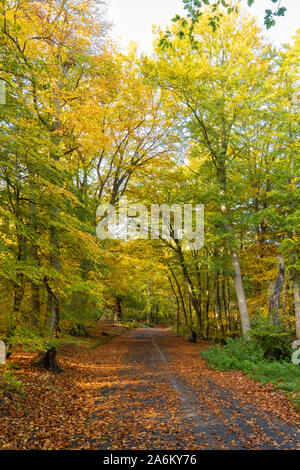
(165, 397)
(144, 389)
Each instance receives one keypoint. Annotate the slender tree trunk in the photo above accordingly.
(199, 311)
(207, 307)
(54, 302)
(18, 297)
(191, 289)
(35, 288)
(19, 289)
(242, 303)
(35, 303)
(217, 300)
(238, 281)
(190, 309)
(225, 302)
(118, 310)
(274, 304)
(177, 304)
(182, 299)
(149, 313)
(230, 321)
(296, 292)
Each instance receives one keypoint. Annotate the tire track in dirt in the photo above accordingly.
(154, 407)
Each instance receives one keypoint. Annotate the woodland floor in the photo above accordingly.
(145, 389)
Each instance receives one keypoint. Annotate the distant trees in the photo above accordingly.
(235, 106)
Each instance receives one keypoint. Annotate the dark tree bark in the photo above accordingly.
(199, 311)
(191, 289)
(118, 310)
(177, 304)
(55, 263)
(181, 298)
(217, 301)
(193, 337)
(48, 361)
(18, 297)
(33, 248)
(35, 303)
(207, 302)
(225, 302)
(79, 331)
(274, 303)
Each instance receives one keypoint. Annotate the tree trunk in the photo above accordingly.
(118, 310)
(177, 304)
(191, 289)
(193, 337)
(225, 302)
(79, 331)
(54, 316)
(199, 311)
(182, 299)
(18, 297)
(230, 322)
(274, 303)
(48, 361)
(35, 303)
(35, 288)
(295, 279)
(242, 303)
(55, 263)
(190, 309)
(207, 307)
(238, 281)
(217, 300)
(20, 281)
(297, 304)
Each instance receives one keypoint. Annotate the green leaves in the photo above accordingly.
(269, 20)
(194, 6)
(248, 357)
(281, 11)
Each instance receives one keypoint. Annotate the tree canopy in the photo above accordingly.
(210, 120)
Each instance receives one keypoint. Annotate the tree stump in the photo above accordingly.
(48, 361)
(193, 337)
(79, 331)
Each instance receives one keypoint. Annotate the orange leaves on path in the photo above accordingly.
(145, 389)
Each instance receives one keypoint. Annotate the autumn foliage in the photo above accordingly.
(86, 123)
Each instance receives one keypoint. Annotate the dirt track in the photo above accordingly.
(165, 397)
(145, 389)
